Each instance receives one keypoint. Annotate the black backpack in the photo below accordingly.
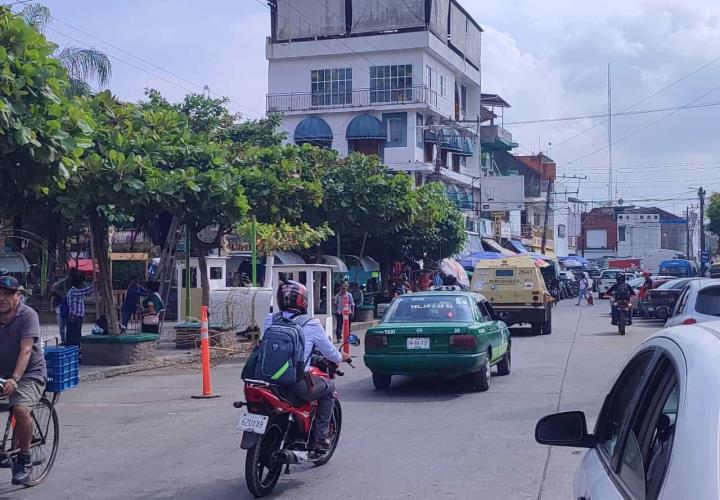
(622, 292)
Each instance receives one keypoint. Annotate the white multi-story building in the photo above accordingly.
(397, 79)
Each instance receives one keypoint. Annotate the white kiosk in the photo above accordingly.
(318, 280)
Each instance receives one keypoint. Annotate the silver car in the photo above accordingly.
(699, 302)
(657, 435)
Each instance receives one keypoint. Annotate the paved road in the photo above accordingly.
(141, 436)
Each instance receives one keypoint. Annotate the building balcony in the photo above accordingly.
(494, 138)
(530, 231)
(356, 98)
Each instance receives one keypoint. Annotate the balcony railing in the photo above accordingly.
(496, 137)
(529, 231)
(357, 98)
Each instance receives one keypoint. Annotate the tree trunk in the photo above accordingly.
(203, 270)
(106, 305)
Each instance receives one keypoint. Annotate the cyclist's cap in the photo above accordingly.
(9, 283)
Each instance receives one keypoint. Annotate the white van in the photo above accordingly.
(652, 259)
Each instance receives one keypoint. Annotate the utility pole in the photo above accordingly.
(547, 217)
(701, 195)
(610, 151)
(687, 231)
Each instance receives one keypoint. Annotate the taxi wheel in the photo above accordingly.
(381, 382)
(536, 328)
(505, 364)
(480, 381)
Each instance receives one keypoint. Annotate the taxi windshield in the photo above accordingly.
(429, 308)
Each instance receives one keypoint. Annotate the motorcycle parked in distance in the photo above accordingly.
(277, 429)
(624, 312)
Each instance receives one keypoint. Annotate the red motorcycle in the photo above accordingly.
(276, 429)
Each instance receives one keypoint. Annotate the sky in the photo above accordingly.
(548, 59)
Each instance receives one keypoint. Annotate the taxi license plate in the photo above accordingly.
(251, 422)
(418, 343)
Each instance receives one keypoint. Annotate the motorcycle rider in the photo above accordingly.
(292, 299)
(620, 291)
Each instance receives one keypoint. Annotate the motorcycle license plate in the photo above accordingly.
(418, 343)
(252, 422)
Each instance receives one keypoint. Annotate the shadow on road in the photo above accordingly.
(406, 390)
(231, 488)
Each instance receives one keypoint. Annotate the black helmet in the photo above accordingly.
(620, 278)
(292, 297)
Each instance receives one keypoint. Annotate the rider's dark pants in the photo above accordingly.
(322, 391)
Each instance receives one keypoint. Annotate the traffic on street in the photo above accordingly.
(422, 438)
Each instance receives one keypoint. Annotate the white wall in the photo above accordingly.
(643, 233)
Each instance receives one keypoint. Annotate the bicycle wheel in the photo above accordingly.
(44, 445)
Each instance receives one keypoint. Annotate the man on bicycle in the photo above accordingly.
(22, 365)
(292, 300)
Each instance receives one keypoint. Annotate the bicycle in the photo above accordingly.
(45, 439)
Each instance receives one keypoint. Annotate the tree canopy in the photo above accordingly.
(42, 134)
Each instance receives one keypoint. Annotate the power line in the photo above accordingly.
(642, 129)
(604, 115)
(670, 85)
(150, 63)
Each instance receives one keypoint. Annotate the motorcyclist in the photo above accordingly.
(292, 300)
(620, 291)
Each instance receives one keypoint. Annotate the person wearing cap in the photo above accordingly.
(22, 365)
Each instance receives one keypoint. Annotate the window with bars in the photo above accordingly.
(390, 84)
(331, 87)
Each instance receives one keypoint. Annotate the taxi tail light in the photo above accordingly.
(463, 341)
(376, 341)
(689, 321)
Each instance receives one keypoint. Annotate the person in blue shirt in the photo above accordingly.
(130, 304)
(292, 299)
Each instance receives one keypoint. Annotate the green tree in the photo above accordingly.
(84, 65)
(42, 133)
(713, 213)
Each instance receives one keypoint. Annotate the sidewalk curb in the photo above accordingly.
(160, 362)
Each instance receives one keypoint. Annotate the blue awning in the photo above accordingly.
(519, 246)
(313, 130)
(450, 139)
(468, 148)
(365, 127)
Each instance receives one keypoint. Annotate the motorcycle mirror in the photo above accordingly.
(354, 340)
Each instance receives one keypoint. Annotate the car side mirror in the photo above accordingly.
(564, 429)
(354, 340)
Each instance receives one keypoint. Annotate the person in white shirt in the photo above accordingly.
(292, 300)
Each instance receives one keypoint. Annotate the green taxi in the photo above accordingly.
(447, 332)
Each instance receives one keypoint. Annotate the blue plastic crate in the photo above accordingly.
(63, 367)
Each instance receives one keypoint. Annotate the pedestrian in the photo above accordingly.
(152, 306)
(582, 290)
(59, 290)
(130, 303)
(340, 299)
(76, 308)
(357, 294)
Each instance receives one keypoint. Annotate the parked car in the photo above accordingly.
(699, 302)
(657, 435)
(661, 300)
(595, 275)
(447, 333)
(639, 307)
(680, 268)
(606, 280)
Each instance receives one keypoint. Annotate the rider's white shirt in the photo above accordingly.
(314, 337)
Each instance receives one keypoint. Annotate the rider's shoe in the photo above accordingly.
(319, 448)
(22, 468)
(5, 462)
(613, 322)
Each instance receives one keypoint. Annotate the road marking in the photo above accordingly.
(557, 408)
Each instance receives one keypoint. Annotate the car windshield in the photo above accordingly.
(708, 301)
(674, 271)
(429, 308)
(636, 282)
(609, 274)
